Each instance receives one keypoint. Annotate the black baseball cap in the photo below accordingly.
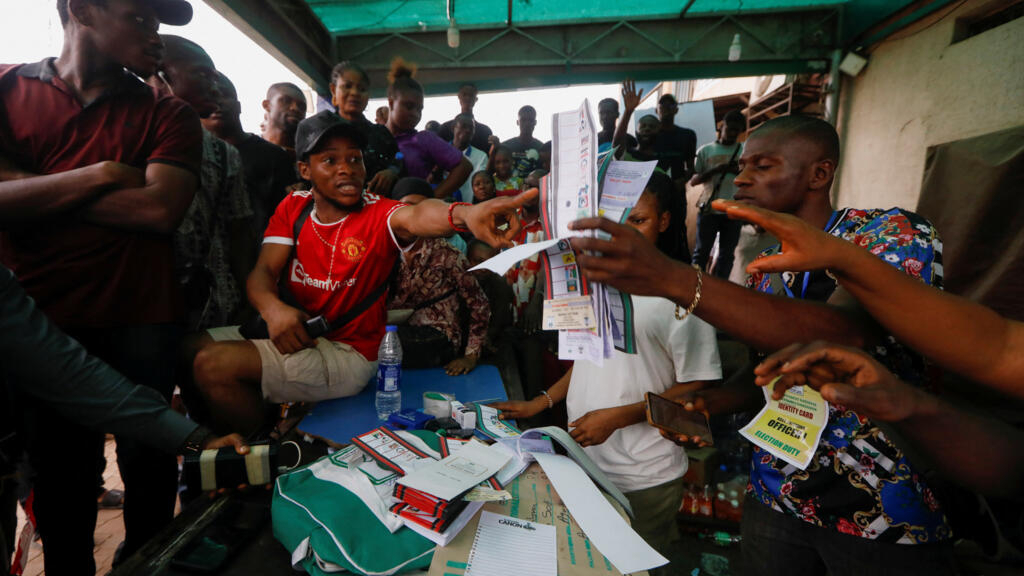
(313, 129)
(412, 187)
(172, 12)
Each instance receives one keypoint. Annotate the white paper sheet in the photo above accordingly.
(605, 528)
(576, 452)
(506, 545)
(458, 473)
(519, 450)
(573, 169)
(507, 259)
(624, 183)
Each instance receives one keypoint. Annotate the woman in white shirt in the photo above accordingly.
(676, 354)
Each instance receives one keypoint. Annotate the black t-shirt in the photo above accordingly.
(603, 137)
(268, 171)
(525, 155)
(381, 147)
(480, 134)
(676, 150)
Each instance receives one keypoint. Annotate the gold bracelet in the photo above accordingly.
(551, 403)
(696, 295)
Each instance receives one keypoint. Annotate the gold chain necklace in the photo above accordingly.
(332, 245)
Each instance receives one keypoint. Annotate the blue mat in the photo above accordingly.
(342, 418)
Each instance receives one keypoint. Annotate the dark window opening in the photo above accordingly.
(1002, 13)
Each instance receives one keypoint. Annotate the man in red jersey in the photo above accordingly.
(343, 252)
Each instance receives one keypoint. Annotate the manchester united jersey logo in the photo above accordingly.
(352, 249)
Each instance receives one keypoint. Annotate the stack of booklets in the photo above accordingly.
(432, 499)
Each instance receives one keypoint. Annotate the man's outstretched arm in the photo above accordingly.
(632, 264)
(981, 453)
(933, 322)
(42, 362)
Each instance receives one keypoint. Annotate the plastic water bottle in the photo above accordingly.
(389, 374)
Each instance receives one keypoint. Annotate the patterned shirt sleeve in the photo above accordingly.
(238, 204)
(904, 240)
(861, 483)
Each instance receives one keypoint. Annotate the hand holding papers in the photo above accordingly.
(592, 319)
(488, 423)
(628, 261)
(790, 428)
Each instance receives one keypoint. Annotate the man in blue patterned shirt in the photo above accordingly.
(859, 507)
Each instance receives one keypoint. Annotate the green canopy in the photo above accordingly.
(507, 44)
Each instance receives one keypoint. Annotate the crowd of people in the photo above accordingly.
(149, 243)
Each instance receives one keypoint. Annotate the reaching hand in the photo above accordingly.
(630, 97)
(462, 365)
(803, 246)
(240, 447)
(496, 221)
(692, 403)
(514, 409)
(596, 426)
(845, 376)
(287, 328)
(235, 440)
(382, 182)
(812, 373)
(628, 261)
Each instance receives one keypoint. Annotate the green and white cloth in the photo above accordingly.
(332, 518)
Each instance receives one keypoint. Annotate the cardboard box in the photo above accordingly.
(534, 499)
(703, 463)
(466, 417)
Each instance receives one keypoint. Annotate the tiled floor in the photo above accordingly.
(109, 524)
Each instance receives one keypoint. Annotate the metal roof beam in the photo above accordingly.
(694, 47)
(289, 31)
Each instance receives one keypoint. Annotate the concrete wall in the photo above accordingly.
(919, 90)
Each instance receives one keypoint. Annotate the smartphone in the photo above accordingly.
(317, 327)
(674, 418)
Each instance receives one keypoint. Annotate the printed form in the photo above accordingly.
(506, 545)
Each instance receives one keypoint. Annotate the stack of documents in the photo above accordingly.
(488, 425)
(395, 452)
(432, 499)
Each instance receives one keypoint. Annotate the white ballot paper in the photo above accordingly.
(451, 477)
(505, 260)
(605, 528)
(624, 183)
(506, 545)
(573, 170)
